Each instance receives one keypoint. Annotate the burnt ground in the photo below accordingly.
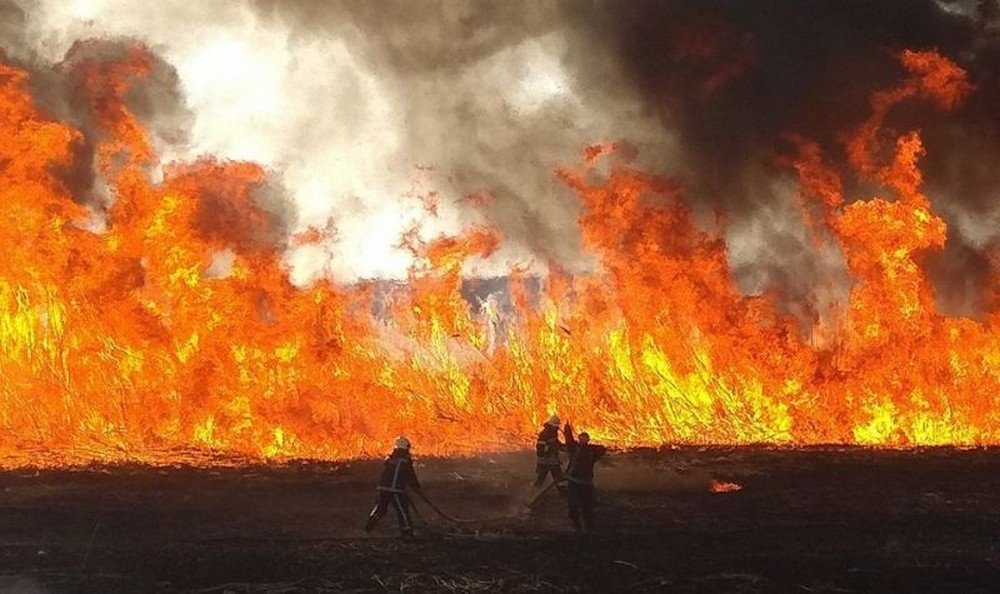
(813, 520)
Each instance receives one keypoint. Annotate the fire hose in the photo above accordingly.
(441, 513)
(544, 491)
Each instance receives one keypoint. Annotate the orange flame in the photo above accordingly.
(723, 487)
(128, 344)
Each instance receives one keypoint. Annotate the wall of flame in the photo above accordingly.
(126, 344)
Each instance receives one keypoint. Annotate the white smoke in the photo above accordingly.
(357, 135)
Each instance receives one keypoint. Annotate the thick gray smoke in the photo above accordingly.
(364, 108)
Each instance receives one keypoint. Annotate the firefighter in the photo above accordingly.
(547, 453)
(397, 476)
(580, 478)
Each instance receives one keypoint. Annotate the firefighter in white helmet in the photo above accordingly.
(397, 476)
(547, 453)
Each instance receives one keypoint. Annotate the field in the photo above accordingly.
(807, 520)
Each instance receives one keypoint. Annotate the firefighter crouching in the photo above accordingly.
(547, 453)
(580, 495)
(397, 476)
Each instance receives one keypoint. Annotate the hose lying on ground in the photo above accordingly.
(438, 511)
(543, 492)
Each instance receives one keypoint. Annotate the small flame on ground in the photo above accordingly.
(723, 487)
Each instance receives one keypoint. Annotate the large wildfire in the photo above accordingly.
(123, 337)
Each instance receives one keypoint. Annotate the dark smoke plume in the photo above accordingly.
(733, 77)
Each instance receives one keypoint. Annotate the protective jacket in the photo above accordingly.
(582, 458)
(547, 447)
(397, 477)
(398, 474)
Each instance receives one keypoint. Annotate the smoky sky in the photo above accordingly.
(809, 67)
(350, 103)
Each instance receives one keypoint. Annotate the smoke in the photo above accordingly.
(362, 110)
(731, 78)
(158, 101)
(12, 19)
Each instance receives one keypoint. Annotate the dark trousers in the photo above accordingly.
(543, 470)
(399, 502)
(580, 499)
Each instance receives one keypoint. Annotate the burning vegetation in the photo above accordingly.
(161, 324)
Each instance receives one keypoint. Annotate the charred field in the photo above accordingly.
(807, 520)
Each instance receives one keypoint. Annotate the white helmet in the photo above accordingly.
(553, 421)
(402, 443)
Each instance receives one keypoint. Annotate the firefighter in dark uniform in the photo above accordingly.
(580, 478)
(547, 453)
(397, 476)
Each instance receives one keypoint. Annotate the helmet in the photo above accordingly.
(402, 443)
(553, 421)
